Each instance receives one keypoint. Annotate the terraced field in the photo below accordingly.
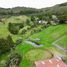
(51, 34)
(62, 42)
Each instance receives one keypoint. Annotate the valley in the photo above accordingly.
(28, 35)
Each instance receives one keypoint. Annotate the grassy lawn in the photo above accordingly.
(22, 49)
(38, 54)
(50, 34)
(63, 42)
(17, 19)
(3, 30)
(30, 54)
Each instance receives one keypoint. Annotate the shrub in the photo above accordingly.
(15, 27)
(14, 60)
(19, 41)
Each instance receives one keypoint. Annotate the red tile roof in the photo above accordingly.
(54, 62)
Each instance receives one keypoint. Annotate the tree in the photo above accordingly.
(32, 18)
(6, 44)
(14, 28)
(10, 41)
(28, 22)
(61, 21)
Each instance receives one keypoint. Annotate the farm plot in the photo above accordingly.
(62, 42)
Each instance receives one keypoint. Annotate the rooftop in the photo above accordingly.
(54, 62)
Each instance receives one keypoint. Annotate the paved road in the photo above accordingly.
(60, 47)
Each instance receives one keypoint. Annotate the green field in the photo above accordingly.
(63, 42)
(17, 19)
(47, 36)
(3, 30)
(29, 53)
(38, 54)
(50, 34)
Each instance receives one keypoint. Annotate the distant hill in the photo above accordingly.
(18, 10)
(59, 9)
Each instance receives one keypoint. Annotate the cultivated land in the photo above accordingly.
(50, 34)
(63, 42)
(29, 53)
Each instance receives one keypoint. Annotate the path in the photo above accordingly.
(56, 45)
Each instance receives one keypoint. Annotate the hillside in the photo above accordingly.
(18, 11)
(58, 9)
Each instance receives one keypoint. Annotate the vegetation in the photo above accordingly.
(50, 34)
(6, 44)
(62, 42)
(14, 60)
(29, 24)
(15, 27)
(38, 54)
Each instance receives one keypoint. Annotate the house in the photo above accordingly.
(54, 62)
(42, 22)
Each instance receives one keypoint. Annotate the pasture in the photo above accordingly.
(62, 42)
